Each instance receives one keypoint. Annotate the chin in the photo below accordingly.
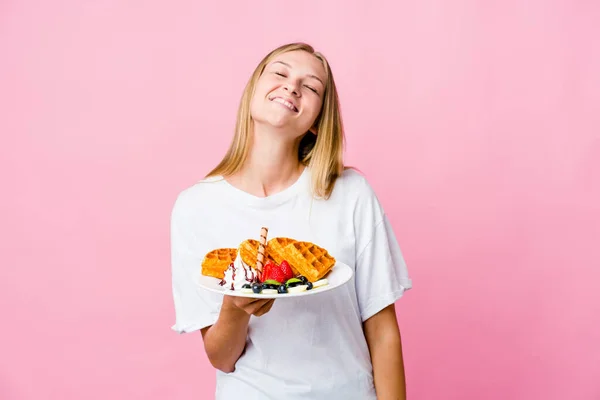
(280, 123)
(274, 120)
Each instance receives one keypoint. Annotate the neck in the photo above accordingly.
(272, 164)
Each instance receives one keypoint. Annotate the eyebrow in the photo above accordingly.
(310, 75)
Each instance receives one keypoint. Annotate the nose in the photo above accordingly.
(292, 87)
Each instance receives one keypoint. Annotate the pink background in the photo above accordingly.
(484, 124)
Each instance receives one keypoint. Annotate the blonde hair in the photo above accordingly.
(323, 153)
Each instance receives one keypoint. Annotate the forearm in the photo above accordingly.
(224, 341)
(388, 368)
(385, 345)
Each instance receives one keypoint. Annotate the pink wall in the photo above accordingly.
(484, 121)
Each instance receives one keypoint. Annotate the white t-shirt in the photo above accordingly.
(309, 347)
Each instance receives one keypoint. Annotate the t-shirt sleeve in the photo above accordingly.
(195, 308)
(381, 272)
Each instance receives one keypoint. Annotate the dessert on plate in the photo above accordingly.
(216, 262)
(275, 249)
(278, 266)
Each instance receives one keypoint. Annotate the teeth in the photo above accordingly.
(285, 103)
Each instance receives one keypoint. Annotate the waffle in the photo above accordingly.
(309, 259)
(248, 250)
(216, 262)
(276, 250)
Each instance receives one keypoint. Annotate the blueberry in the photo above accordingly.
(246, 286)
(282, 289)
(303, 279)
(270, 286)
(256, 287)
(310, 285)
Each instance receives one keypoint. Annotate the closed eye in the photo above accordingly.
(280, 74)
(311, 88)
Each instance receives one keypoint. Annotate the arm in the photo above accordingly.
(385, 345)
(224, 342)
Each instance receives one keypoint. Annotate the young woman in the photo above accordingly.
(284, 170)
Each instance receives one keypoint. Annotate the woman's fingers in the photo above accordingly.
(253, 306)
(260, 307)
(244, 302)
(264, 308)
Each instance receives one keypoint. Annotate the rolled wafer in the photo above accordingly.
(261, 249)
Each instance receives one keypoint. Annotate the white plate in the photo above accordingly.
(339, 274)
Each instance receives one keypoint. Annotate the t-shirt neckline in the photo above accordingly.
(239, 195)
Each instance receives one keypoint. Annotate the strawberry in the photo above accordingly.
(277, 274)
(266, 271)
(287, 270)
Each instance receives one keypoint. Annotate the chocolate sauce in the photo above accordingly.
(249, 275)
(246, 268)
(232, 275)
(223, 282)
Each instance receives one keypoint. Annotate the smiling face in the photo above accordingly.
(289, 93)
(281, 93)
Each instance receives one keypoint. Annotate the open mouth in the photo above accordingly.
(285, 103)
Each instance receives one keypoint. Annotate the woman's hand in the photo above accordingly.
(224, 341)
(250, 306)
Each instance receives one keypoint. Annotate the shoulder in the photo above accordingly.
(353, 190)
(354, 182)
(197, 196)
